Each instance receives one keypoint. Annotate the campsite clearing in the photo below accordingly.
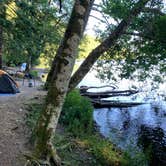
(13, 131)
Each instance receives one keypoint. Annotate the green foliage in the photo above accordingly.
(88, 43)
(135, 157)
(77, 114)
(12, 65)
(107, 154)
(34, 73)
(28, 29)
(103, 150)
(118, 9)
(160, 30)
(89, 149)
(140, 53)
(71, 152)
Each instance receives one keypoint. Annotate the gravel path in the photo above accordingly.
(13, 131)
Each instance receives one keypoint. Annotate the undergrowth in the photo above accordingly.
(77, 144)
(77, 114)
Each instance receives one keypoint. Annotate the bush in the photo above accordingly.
(77, 114)
(12, 65)
(137, 158)
(34, 73)
(104, 151)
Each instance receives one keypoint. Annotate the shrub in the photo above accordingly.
(104, 151)
(12, 65)
(34, 73)
(135, 157)
(77, 114)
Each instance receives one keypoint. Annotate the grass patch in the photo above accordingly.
(71, 152)
(34, 111)
(33, 114)
(139, 158)
(103, 150)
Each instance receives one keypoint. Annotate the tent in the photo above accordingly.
(7, 83)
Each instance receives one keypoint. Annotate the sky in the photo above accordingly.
(94, 23)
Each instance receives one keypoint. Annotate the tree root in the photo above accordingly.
(52, 159)
(33, 161)
(52, 156)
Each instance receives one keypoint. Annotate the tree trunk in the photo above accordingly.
(1, 42)
(50, 74)
(105, 45)
(63, 66)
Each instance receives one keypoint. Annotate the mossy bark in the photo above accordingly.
(61, 73)
(1, 38)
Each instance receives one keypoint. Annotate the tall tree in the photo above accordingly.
(28, 28)
(1, 37)
(106, 44)
(63, 66)
(2, 13)
(139, 53)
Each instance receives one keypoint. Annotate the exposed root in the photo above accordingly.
(52, 159)
(33, 161)
(52, 156)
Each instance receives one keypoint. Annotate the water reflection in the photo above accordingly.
(122, 125)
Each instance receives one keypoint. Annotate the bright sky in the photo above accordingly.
(94, 23)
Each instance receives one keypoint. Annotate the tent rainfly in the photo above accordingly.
(7, 83)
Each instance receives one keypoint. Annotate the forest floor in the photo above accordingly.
(14, 134)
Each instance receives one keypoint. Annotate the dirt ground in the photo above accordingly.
(14, 134)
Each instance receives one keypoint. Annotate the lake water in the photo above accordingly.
(122, 125)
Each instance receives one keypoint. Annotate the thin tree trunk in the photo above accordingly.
(63, 66)
(1, 42)
(105, 45)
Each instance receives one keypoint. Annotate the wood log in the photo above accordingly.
(111, 93)
(108, 104)
(98, 102)
(84, 89)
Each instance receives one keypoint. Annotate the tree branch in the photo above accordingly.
(105, 45)
(154, 10)
(99, 19)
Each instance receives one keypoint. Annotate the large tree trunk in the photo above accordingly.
(63, 66)
(105, 45)
(1, 42)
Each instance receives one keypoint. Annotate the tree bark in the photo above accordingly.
(1, 42)
(105, 45)
(50, 76)
(62, 69)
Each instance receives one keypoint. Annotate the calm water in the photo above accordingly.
(122, 125)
